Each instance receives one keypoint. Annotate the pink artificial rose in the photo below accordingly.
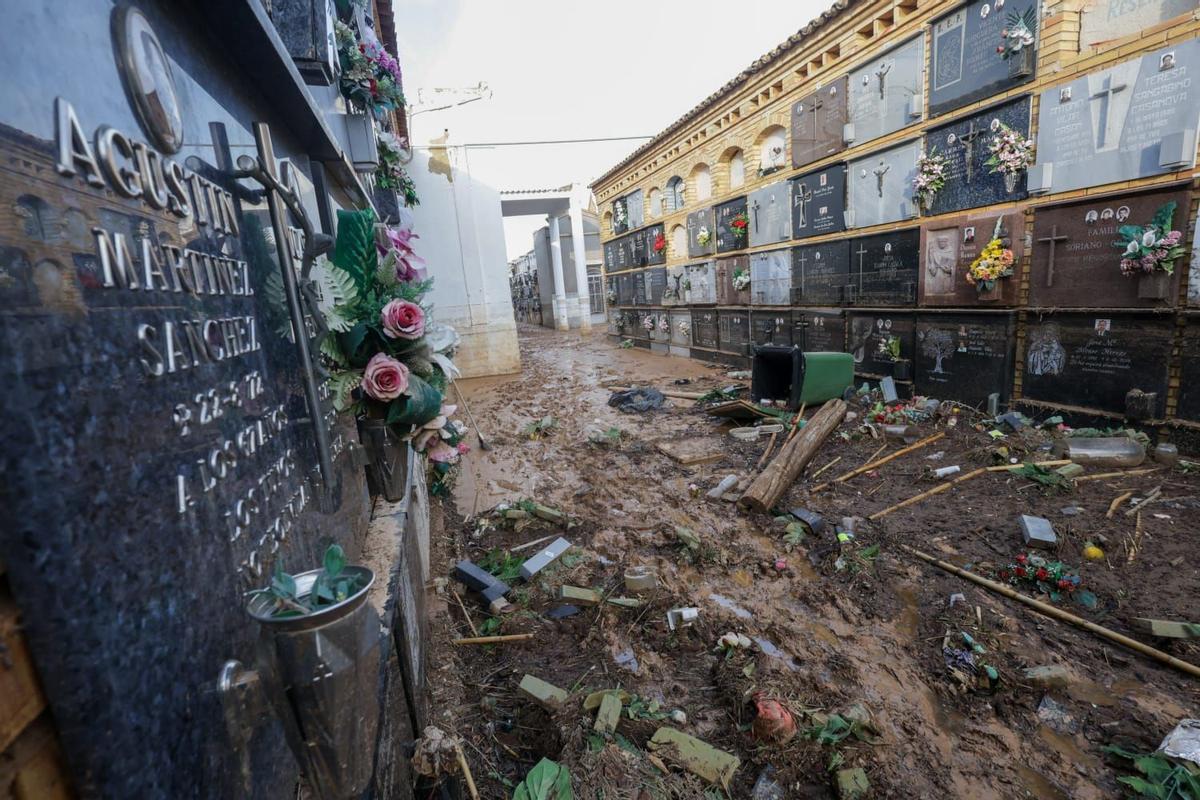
(463, 448)
(385, 378)
(402, 320)
(443, 453)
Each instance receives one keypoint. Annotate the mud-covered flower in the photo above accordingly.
(385, 378)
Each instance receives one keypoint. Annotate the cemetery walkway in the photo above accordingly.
(857, 641)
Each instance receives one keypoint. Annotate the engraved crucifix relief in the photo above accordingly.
(880, 171)
(881, 75)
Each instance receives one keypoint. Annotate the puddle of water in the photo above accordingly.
(1067, 746)
(768, 647)
(909, 617)
(1039, 786)
(726, 603)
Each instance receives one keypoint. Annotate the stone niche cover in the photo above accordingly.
(965, 144)
(964, 66)
(949, 246)
(964, 357)
(818, 123)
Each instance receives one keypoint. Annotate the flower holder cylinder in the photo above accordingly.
(1021, 63)
(322, 676)
(1154, 286)
(990, 295)
(387, 454)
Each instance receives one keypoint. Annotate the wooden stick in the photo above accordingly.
(527, 545)
(793, 457)
(470, 622)
(827, 466)
(1137, 539)
(1137, 509)
(945, 486)
(763, 458)
(1003, 467)
(1116, 503)
(1058, 613)
(462, 763)
(508, 637)
(1117, 474)
(676, 393)
(873, 464)
(796, 420)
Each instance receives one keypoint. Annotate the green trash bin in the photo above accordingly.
(789, 377)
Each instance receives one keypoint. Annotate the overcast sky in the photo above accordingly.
(573, 70)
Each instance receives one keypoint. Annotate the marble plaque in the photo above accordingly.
(884, 267)
(1094, 360)
(625, 253)
(734, 327)
(681, 328)
(771, 327)
(771, 278)
(635, 206)
(1122, 123)
(639, 334)
(1193, 288)
(1189, 372)
(700, 283)
(727, 240)
(649, 237)
(965, 66)
(885, 94)
(1073, 247)
(673, 291)
(818, 123)
(614, 321)
(948, 248)
(611, 261)
(821, 274)
(656, 283)
(869, 336)
(880, 186)
(620, 215)
(964, 357)
(819, 202)
(1104, 20)
(625, 290)
(727, 268)
(819, 331)
(638, 249)
(639, 289)
(770, 213)
(965, 144)
(704, 329)
(701, 225)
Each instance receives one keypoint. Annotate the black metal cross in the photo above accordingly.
(1053, 239)
(968, 140)
(1105, 96)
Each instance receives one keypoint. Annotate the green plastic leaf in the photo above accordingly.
(352, 343)
(282, 583)
(418, 405)
(546, 781)
(335, 560)
(1165, 216)
(354, 249)
(1143, 788)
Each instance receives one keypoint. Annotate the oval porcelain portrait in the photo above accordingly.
(146, 73)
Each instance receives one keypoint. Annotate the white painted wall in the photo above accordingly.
(462, 241)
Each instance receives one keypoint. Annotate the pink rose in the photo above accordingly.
(385, 378)
(402, 320)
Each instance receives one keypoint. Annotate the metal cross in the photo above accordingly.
(860, 252)
(804, 196)
(880, 171)
(881, 73)
(802, 260)
(1105, 96)
(817, 105)
(1053, 239)
(754, 208)
(968, 140)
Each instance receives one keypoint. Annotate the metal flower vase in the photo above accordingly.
(322, 679)
(1010, 182)
(1154, 285)
(387, 454)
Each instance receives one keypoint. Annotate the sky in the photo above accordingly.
(575, 70)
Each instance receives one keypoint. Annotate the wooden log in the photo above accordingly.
(792, 458)
(1058, 613)
(873, 464)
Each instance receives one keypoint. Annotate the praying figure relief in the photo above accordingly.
(941, 257)
(1046, 354)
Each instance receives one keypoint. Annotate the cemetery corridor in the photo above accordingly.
(858, 632)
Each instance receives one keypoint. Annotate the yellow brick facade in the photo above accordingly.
(851, 34)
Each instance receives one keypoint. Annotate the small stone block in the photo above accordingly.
(548, 514)
(544, 558)
(515, 513)
(478, 579)
(625, 602)
(1048, 677)
(887, 385)
(609, 714)
(546, 695)
(696, 756)
(593, 700)
(578, 596)
(1167, 628)
(1070, 471)
(1038, 532)
(640, 579)
(852, 783)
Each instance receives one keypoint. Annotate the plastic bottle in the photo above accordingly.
(1113, 451)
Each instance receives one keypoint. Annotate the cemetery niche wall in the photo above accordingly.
(819, 202)
(965, 65)
(964, 357)
(967, 146)
(167, 443)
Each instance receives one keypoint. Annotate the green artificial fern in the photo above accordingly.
(354, 251)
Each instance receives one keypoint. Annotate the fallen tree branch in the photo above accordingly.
(763, 458)
(1058, 613)
(1118, 474)
(793, 457)
(827, 466)
(1134, 508)
(873, 464)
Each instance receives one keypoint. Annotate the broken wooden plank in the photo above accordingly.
(579, 596)
(696, 756)
(697, 450)
(608, 715)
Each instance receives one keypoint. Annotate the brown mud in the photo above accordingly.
(826, 638)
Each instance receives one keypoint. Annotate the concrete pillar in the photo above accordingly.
(579, 248)
(560, 288)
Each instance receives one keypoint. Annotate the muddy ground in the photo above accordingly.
(870, 632)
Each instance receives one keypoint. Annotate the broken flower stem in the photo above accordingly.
(873, 464)
(1057, 613)
(462, 763)
(763, 458)
(827, 466)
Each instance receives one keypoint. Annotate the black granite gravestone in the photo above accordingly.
(655, 244)
(702, 233)
(625, 289)
(705, 332)
(870, 336)
(964, 357)
(1189, 372)
(965, 66)
(819, 331)
(771, 327)
(821, 273)
(625, 258)
(639, 289)
(611, 260)
(965, 144)
(1094, 360)
(883, 268)
(727, 238)
(656, 282)
(819, 202)
(620, 216)
(734, 331)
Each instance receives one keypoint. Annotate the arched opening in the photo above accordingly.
(772, 150)
(735, 165)
(674, 194)
(702, 182)
(606, 222)
(679, 241)
(655, 198)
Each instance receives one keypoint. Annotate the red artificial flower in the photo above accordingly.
(1022, 558)
(660, 243)
(1004, 574)
(362, 48)
(1020, 572)
(1042, 573)
(1063, 583)
(739, 223)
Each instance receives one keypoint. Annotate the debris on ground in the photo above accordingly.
(435, 753)
(637, 401)
(544, 694)
(695, 755)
